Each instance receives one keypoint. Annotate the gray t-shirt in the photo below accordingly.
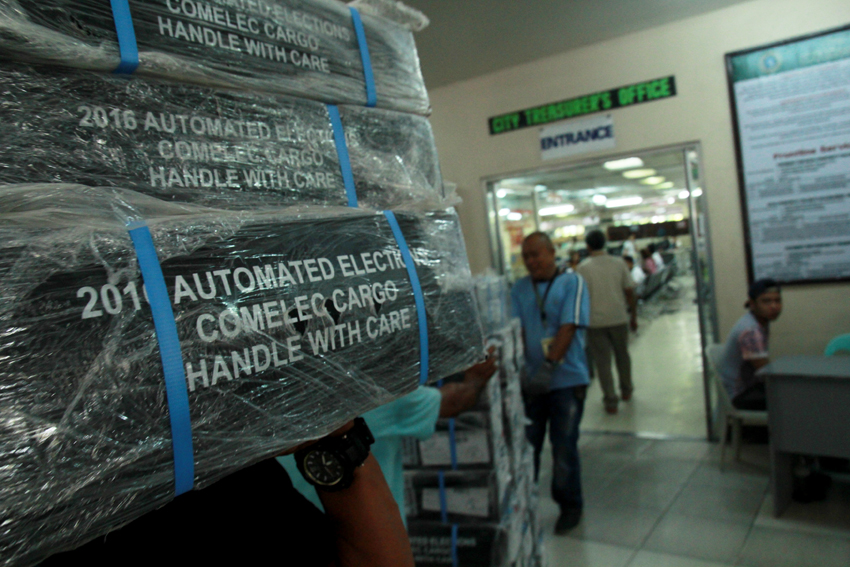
(607, 277)
(747, 341)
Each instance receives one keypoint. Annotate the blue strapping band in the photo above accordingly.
(172, 359)
(454, 545)
(444, 509)
(417, 296)
(452, 443)
(342, 152)
(368, 75)
(127, 45)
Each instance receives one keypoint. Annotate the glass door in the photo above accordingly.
(701, 258)
(647, 203)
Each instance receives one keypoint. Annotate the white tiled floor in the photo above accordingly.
(666, 503)
(654, 493)
(666, 371)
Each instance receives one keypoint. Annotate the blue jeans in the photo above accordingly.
(563, 408)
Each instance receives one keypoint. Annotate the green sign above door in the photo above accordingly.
(602, 101)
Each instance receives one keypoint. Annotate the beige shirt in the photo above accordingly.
(607, 277)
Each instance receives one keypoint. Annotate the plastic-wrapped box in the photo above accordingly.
(519, 346)
(493, 297)
(504, 341)
(462, 442)
(514, 424)
(459, 496)
(306, 48)
(471, 545)
(216, 148)
(289, 323)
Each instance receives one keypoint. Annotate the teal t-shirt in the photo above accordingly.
(414, 415)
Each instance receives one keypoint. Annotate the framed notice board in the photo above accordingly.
(791, 115)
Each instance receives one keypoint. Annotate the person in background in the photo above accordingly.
(630, 246)
(745, 352)
(554, 310)
(414, 415)
(612, 297)
(656, 257)
(647, 263)
(575, 259)
(637, 274)
(746, 347)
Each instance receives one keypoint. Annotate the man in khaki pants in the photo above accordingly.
(612, 296)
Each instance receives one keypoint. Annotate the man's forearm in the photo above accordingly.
(457, 398)
(369, 530)
(561, 343)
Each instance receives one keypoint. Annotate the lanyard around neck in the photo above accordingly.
(541, 303)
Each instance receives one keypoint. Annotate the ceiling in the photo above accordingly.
(577, 186)
(468, 38)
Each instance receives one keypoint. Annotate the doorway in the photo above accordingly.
(657, 198)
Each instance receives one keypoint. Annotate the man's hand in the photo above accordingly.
(479, 374)
(458, 397)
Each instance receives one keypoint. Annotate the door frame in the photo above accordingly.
(708, 329)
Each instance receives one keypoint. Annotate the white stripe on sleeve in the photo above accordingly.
(578, 300)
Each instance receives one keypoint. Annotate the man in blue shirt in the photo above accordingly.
(555, 311)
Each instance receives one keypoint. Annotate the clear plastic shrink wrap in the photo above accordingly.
(306, 48)
(217, 148)
(290, 323)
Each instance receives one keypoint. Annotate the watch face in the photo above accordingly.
(323, 467)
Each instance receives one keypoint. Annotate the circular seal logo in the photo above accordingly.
(770, 62)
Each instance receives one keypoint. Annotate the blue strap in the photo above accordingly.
(126, 37)
(368, 76)
(342, 152)
(172, 359)
(444, 509)
(454, 545)
(452, 443)
(417, 296)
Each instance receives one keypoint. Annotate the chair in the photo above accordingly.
(840, 344)
(729, 414)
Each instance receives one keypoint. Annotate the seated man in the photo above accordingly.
(414, 415)
(746, 348)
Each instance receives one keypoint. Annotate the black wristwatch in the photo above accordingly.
(329, 464)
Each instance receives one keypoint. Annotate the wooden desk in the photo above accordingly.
(808, 403)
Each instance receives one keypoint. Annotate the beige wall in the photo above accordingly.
(693, 51)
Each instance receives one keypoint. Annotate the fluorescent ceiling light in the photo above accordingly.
(624, 202)
(514, 216)
(665, 185)
(502, 193)
(654, 180)
(599, 199)
(540, 187)
(684, 194)
(556, 210)
(697, 192)
(504, 212)
(638, 173)
(625, 163)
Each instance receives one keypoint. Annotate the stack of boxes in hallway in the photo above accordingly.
(470, 493)
(278, 155)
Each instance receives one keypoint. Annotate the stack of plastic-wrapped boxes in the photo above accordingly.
(470, 493)
(223, 231)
